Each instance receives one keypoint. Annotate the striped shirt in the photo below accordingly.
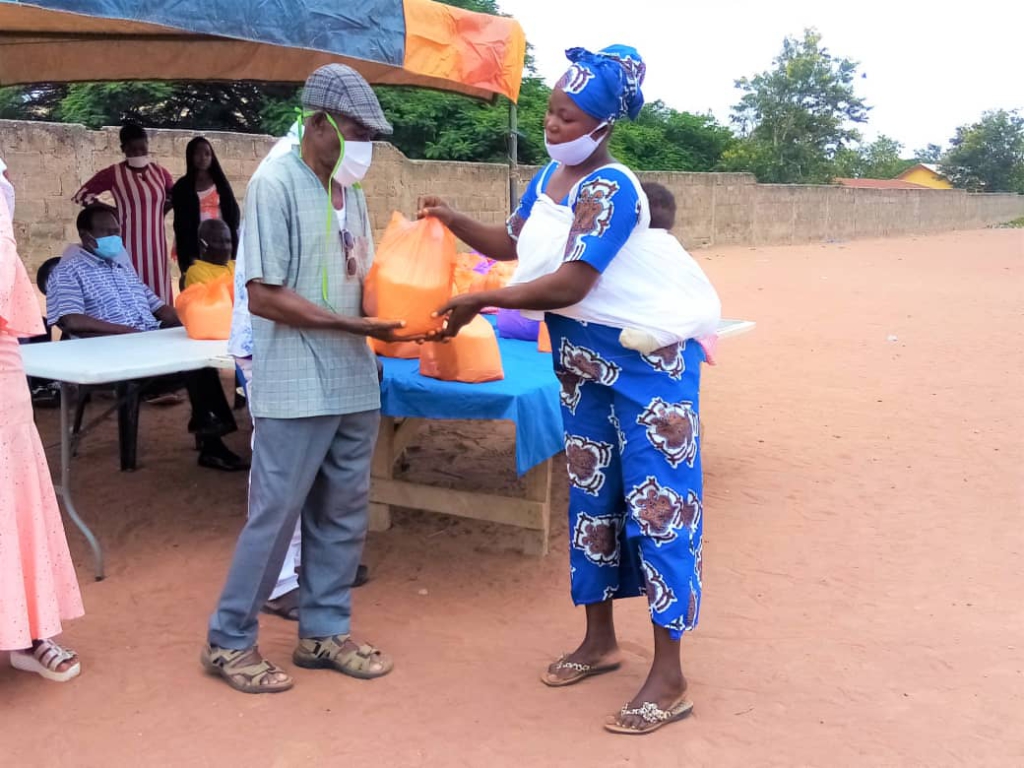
(140, 197)
(85, 284)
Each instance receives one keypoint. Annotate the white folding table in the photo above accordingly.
(106, 360)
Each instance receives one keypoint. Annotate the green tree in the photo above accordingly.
(930, 154)
(798, 115)
(226, 106)
(878, 160)
(97, 104)
(662, 139)
(988, 156)
(38, 102)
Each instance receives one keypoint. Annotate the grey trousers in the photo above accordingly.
(316, 470)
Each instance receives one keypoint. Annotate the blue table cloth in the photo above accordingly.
(528, 397)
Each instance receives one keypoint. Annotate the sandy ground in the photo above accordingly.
(863, 563)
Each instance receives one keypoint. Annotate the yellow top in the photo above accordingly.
(205, 272)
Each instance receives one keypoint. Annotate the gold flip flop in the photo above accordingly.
(653, 716)
(580, 672)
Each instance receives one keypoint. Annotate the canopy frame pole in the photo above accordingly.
(513, 156)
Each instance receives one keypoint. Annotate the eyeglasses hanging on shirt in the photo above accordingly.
(348, 244)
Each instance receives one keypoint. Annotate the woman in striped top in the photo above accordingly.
(141, 191)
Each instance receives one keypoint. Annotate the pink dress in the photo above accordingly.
(38, 586)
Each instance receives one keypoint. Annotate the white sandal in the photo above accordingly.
(45, 659)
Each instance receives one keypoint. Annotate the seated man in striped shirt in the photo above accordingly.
(92, 292)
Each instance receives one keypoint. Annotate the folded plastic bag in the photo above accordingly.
(205, 309)
(412, 274)
(512, 325)
(471, 357)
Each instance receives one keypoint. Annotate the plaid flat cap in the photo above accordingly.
(340, 89)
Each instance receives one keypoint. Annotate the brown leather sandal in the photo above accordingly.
(246, 670)
(342, 654)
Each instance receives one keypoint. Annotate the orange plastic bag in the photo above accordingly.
(205, 309)
(404, 350)
(544, 339)
(463, 281)
(412, 274)
(471, 357)
(499, 275)
(470, 273)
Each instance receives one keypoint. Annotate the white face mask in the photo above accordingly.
(354, 163)
(138, 162)
(576, 151)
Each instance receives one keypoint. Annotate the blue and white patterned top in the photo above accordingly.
(85, 284)
(606, 209)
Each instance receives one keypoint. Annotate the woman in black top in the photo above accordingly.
(202, 193)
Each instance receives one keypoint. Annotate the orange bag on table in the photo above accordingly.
(404, 350)
(471, 357)
(205, 309)
(544, 339)
(462, 281)
(412, 274)
(499, 275)
(471, 273)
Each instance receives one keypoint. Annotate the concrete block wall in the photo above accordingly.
(49, 162)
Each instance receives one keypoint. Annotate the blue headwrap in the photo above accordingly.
(606, 84)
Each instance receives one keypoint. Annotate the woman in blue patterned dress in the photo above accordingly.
(630, 417)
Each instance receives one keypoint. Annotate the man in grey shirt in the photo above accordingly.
(315, 397)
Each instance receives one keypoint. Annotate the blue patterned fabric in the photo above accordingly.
(632, 442)
(84, 284)
(610, 203)
(607, 84)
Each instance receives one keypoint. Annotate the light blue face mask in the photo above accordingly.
(109, 247)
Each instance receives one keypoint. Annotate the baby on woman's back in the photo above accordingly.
(698, 289)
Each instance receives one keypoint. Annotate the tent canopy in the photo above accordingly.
(390, 42)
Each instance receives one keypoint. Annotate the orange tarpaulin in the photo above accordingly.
(390, 42)
(447, 43)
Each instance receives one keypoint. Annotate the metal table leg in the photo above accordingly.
(64, 489)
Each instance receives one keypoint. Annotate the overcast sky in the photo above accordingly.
(927, 70)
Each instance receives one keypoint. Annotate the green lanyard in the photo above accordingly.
(324, 284)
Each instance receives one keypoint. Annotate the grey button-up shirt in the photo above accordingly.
(291, 239)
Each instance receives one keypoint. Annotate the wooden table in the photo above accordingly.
(399, 428)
